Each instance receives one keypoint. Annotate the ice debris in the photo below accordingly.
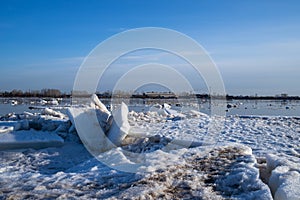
(284, 179)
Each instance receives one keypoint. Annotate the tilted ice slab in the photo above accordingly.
(98, 129)
(120, 126)
(29, 139)
(91, 130)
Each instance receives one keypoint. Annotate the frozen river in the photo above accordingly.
(255, 154)
(236, 107)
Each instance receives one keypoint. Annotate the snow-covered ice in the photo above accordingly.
(284, 179)
(225, 172)
(254, 157)
(70, 172)
(29, 139)
(32, 131)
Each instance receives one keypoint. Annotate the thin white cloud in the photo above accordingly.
(69, 60)
(145, 56)
(57, 62)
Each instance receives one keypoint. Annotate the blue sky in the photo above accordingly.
(255, 44)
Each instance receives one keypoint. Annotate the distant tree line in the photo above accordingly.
(277, 97)
(35, 93)
(55, 93)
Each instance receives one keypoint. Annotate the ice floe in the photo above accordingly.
(29, 139)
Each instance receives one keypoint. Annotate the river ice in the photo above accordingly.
(251, 157)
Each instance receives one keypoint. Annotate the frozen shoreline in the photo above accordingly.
(70, 171)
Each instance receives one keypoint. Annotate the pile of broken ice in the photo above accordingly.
(28, 130)
(102, 130)
(97, 129)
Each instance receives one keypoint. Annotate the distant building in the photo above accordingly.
(163, 95)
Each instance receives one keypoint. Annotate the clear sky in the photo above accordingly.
(255, 44)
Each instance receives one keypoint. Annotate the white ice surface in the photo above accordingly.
(70, 172)
(263, 134)
(285, 177)
(99, 104)
(5, 129)
(120, 126)
(29, 139)
(90, 128)
(97, 129)
(8, 126)
(48, 111)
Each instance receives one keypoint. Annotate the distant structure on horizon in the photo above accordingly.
(156, 95)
